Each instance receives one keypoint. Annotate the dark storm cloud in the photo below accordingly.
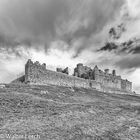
(135, 50)
(116, 32)
(7, 41)
(10, 45)
(40, 20)
(99, 14)
(109, 47)
(129, 62)
(96, 14)
(128, 47)
(32, 20)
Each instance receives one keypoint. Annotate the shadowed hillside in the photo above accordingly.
(61, 113)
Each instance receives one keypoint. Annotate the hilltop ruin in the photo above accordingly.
(86, 77)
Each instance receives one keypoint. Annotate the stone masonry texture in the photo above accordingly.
(86, 77)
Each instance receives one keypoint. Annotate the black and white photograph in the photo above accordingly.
(69, 69)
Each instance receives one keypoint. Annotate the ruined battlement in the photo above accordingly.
(86, 77)
(104, 77)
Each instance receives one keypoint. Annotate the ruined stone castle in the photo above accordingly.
(86, 77)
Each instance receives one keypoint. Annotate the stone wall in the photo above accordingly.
(125, 84)
(37, 74)
(108, 80)
(111, 80)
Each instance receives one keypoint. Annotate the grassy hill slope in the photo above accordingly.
(60, 113)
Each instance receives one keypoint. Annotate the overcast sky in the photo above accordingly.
(66, 32)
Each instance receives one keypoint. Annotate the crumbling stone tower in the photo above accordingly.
(28, 71)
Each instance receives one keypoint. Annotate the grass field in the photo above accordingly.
(60, 113)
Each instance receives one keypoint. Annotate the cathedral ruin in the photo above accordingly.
(86, 77)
